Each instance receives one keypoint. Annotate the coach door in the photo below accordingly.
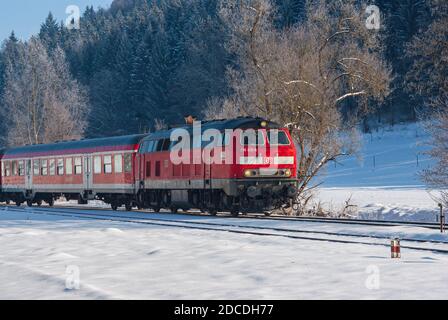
(28, 175)
(88, 177)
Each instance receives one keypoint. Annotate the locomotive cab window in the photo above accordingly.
(279, 138)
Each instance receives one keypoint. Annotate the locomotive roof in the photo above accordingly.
(90, 145)
(221, 125)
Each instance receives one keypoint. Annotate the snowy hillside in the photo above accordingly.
(383, 180)
(390, 157)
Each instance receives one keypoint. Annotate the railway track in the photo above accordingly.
(384, 223)
(301, 234)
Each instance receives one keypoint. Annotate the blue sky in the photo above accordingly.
(26, 16)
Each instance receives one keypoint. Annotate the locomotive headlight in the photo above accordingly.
(248, 173)
(288, 172)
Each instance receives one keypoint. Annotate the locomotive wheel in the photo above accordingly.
(114, 206)
(51, 202)
(174, 210)
(29, 203)
(128, 207)
(8, 202)
(213, 212)
(39, 203)
(156, 209)
(18, 203)
(268, 213)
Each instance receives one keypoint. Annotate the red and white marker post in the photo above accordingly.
(395, 248)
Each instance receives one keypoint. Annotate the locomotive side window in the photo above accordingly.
(107, 164)
(118, 163)
(159, 145)
(60, 167)
(279, 138)
(97, 165)
(128, 163)
(44, 167)
(36, 167)
(166, 145)
(52, 167)
(21, 168)
(148, 169)
(151, 145)
(157, 168)
(78, 166)
(69, 166)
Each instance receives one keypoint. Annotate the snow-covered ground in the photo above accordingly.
(40, 255)
(383, 182)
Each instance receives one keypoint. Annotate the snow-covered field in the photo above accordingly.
(40, 255)
(384, 181)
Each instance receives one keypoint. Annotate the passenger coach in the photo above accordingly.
(82, 170)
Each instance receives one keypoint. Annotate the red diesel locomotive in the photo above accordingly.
(246, 175)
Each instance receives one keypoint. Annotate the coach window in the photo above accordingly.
(78, 165)
(107, 164)
(36, 169)
(21, 168)
(118, 163)
(44, 167)
(97, 165)
(69, 166)
(128, 163)
(14, 168)
(60, 167)
(7, 168)
(52, 167)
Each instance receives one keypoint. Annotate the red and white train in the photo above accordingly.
(139, 171)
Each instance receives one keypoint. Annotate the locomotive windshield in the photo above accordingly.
(276, 137)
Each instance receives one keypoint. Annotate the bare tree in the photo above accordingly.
(303, 76)
(43, 103)
(436, 177)
(428, 77)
